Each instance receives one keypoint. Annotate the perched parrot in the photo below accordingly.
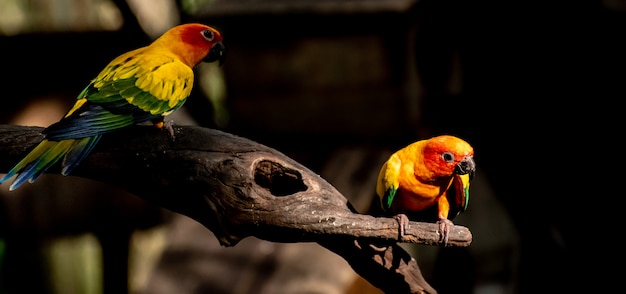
(426, 181)
(145, 84)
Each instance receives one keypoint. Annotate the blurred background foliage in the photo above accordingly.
(338, 86)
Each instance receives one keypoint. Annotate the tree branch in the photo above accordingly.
(239, 188)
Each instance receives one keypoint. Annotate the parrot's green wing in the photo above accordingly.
(130, 90)
(388, 198)
(155, 83)
(387, 184)
(458, 194)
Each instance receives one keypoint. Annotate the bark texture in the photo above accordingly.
(237, 188)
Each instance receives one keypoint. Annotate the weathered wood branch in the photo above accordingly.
(238, 188)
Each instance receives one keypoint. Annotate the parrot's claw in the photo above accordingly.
(444, 230)
(403, 222)
(167, 125)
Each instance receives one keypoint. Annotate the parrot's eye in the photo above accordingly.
(207, 34)
(448, 157)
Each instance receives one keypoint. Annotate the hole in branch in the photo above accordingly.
(279, 180)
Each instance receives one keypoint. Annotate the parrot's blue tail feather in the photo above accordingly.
(48, 153)
(35, 168)
(79, 151)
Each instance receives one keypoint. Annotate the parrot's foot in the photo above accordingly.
(168, 126)
(403, 222)
(444, 230)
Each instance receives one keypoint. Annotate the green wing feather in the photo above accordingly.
(458, 195)
(155, 83)
(388, 198)
(387, 184)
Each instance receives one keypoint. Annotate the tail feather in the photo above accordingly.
(51, 157)
(34, 169)
(45, 155)
(34, 155)
(79, 151)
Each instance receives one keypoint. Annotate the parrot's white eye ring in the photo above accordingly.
(447, 156)
(207, 34)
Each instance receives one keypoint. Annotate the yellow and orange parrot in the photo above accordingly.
(426, 181)
(145, 84)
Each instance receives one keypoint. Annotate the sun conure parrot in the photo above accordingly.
(426, 181)
(145, 84)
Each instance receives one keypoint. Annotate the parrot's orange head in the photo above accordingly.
(193, 43)
(447, 155)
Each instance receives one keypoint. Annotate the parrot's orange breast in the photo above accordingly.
(413, 195)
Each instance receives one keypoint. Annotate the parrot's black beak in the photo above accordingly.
(466, 166)
(217, 53)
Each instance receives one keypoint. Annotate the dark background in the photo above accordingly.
(534, 86)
